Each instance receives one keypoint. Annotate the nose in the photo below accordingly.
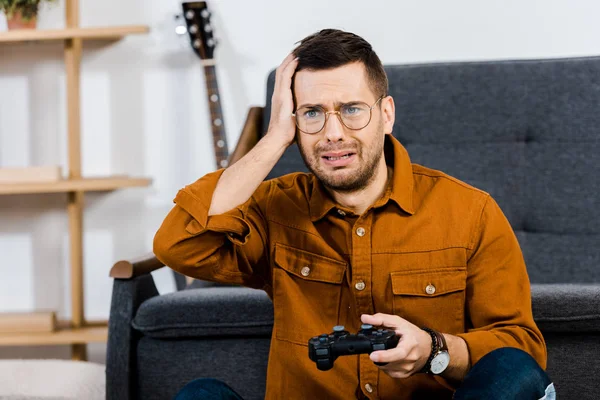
(334, 130)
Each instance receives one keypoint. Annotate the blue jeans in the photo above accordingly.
(506, 373)
(205, 389)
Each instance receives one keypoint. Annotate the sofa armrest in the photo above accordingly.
(566, 307)
(127, 296)
(127, 269)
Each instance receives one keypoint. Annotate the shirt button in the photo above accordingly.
(430, 289)
(360, 285)
(360, 231)
(369, 388)
(341, 212)
(305, 271)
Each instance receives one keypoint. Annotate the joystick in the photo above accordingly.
(326, 348)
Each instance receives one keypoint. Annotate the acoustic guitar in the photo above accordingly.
(200, 30)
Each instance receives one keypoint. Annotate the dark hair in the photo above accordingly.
(332, 48)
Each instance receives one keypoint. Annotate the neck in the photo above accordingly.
(359, 200)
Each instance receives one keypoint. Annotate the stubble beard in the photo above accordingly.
(347, 181)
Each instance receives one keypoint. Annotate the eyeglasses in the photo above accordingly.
(355, 116)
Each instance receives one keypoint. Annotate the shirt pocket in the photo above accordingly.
(306, 293)
(433, 298)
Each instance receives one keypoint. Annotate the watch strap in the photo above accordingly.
(434, 349)
(442, 346)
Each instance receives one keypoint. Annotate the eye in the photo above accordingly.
(312, 113)
(352, 110)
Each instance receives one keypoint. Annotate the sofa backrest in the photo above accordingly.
(526, 131)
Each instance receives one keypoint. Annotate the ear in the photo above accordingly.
(388, 113)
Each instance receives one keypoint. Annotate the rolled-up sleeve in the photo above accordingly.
(228, 247)
(498, 297)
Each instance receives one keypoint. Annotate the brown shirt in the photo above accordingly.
(432, 250)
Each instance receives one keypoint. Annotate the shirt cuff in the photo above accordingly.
(480, 343)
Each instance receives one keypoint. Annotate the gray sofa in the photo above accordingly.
(528, 132)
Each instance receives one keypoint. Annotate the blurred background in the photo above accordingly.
(145, 113)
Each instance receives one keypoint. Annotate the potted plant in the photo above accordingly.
(21, 14)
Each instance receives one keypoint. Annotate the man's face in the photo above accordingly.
(344, 160)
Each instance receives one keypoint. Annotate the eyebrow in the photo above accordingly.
(336, 104)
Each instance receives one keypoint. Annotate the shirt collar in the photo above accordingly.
(402, 182)
(320, 201)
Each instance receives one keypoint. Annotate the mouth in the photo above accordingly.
(338, 159)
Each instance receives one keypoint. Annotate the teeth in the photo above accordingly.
(338, 158)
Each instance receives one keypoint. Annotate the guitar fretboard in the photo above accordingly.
(216, 116)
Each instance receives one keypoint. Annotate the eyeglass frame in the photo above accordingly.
(339, 115)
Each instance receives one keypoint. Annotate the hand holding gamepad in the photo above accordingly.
(326, 348)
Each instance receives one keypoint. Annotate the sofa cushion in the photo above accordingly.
(570, 308)
(211, 311)
(201, 283)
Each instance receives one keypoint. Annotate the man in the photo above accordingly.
(366, 238)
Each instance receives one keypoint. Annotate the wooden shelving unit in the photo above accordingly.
(62, 336)
(77, 332)
(100, 33)
(74, 185)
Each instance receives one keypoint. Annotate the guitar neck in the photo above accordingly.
(217, 122)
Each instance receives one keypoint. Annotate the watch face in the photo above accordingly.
(440, 362)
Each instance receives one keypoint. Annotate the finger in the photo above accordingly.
(286, 61)
(393, 355)
(396, 367)
(289, 58)
(288, 73)
(285, 74)
(398, 374)
(289, 69)
(283, 86)
(398, 370)
(282, 96)
(380, 319)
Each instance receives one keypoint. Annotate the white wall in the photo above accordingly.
(144, 111)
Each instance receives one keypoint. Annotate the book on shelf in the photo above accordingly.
(48, 173)
(27, 322)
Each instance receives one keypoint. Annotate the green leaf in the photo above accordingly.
(27, 8)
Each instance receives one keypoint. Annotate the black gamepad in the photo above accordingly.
(325, 348)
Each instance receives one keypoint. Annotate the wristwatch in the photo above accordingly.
(439, 359)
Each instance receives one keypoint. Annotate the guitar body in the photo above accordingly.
(200, 31)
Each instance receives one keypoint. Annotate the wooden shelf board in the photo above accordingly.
(62, 336)
(74, 185)
(98, 33)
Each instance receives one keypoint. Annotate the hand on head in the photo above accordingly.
(282, 103)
